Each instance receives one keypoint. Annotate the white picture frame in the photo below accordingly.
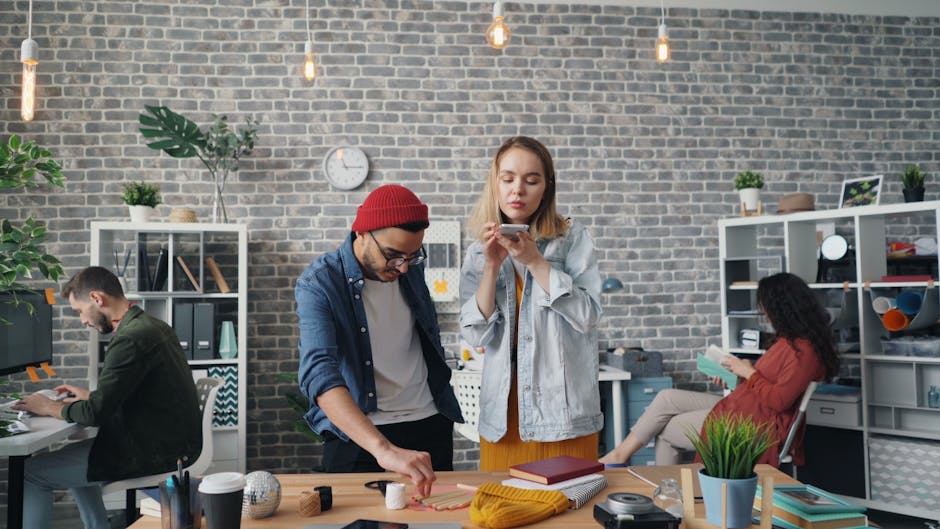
(864, 191)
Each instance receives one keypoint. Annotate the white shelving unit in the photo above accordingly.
(898, 428)
(227, 244)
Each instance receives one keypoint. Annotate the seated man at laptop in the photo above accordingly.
(145, 407)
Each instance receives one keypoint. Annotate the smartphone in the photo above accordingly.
(512, 230)
(374, 524)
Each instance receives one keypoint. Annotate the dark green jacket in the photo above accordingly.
(145, 407)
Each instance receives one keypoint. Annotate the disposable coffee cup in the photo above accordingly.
(909, 302)
(222, 499)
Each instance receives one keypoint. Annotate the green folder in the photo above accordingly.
(712, 369)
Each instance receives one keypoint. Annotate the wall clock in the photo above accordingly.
(346, 167)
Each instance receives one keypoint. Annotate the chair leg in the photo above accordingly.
(130, 506)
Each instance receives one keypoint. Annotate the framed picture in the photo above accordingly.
(809, 499)
(861, 191)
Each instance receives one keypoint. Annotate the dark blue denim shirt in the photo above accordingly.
(335, 349)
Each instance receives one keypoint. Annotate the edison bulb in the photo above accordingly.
(28, 104)
(310, 65)
(662, 45)
(498, 34)
(29, 56)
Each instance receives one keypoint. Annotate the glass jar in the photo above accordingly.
(668, 497)
(933, 398)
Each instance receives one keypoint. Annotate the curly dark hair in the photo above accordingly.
(794, 312)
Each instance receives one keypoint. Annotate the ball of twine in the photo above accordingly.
(309, 503)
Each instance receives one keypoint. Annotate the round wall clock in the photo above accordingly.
(346, 167)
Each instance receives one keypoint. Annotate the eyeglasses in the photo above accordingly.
(395, 262)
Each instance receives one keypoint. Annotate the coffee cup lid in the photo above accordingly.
(222, 482)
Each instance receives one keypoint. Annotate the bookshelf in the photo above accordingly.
(193, 276)
(898, 429)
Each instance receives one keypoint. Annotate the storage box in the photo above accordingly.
(638, 362)
(835, 410)
(912, 346)
(905, 471)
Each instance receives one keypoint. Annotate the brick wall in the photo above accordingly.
(645, 152)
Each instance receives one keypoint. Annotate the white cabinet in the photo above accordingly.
(153, 259)
(895, 375)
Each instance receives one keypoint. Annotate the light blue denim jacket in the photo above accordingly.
(557, 352)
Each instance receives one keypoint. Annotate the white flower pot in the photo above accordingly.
(750, 196)
(141, 214)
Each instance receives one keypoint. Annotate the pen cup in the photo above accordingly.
(177, 512)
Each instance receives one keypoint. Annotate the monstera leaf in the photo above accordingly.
(177, 135)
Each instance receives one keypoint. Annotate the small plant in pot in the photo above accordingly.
(913, 180)
(142, 199)
(749, 184)
(730, 445)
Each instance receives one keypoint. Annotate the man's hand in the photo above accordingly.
(78, 392)
(40, 405)
(416, 465)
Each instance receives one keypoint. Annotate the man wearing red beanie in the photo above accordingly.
(371, 360)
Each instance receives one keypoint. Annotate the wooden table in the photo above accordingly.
(351, 500)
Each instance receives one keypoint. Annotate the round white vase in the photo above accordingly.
(749, 197)
(141, 214)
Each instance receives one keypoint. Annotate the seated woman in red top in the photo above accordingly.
(769, 391)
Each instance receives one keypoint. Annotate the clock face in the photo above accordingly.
(346, 167)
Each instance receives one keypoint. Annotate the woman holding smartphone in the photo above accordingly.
(530, 298)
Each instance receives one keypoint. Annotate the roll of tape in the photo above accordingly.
(395, 496)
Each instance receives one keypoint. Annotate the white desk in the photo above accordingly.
(43, 432)
(615, 376)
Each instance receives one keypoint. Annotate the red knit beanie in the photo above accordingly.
(387, 206)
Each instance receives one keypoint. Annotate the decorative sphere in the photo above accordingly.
(262, 495)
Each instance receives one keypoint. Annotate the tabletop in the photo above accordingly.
(43, 432)
(351, 500)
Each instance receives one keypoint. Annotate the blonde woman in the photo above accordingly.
(531, 300)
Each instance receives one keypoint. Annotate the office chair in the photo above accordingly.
(785, 456)
(207, 389)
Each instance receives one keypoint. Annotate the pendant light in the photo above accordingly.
(662, 42)
(29, 56)
(498, 34)
(310, 65)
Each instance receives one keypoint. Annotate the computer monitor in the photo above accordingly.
(26, 339)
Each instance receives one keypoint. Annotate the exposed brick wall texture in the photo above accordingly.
(645, 152)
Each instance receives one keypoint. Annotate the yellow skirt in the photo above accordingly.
(511, 450)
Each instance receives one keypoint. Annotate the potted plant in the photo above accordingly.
(729, 446)
(749, 184)
(21, 248)
(141, 199)
(913, 180)
(219, 149)
(300, 405)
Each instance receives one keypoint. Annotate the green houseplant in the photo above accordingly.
(141, 199)
(299, 405)
(21, 246)
(749, 184)
(219, 148)
(729, 446)
(913, 180)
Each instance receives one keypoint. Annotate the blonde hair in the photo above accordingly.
(546, 222)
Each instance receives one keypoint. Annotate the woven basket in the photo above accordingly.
(182, 215)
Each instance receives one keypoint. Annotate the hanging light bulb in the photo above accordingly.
(310, 65)
(662, 45)
(498, 34)
(29, 56)
(662, 42)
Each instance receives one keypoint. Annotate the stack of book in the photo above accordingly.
(807, 507)
(576, 478)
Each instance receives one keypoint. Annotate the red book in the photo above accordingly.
(906, 279)
(555, 469)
